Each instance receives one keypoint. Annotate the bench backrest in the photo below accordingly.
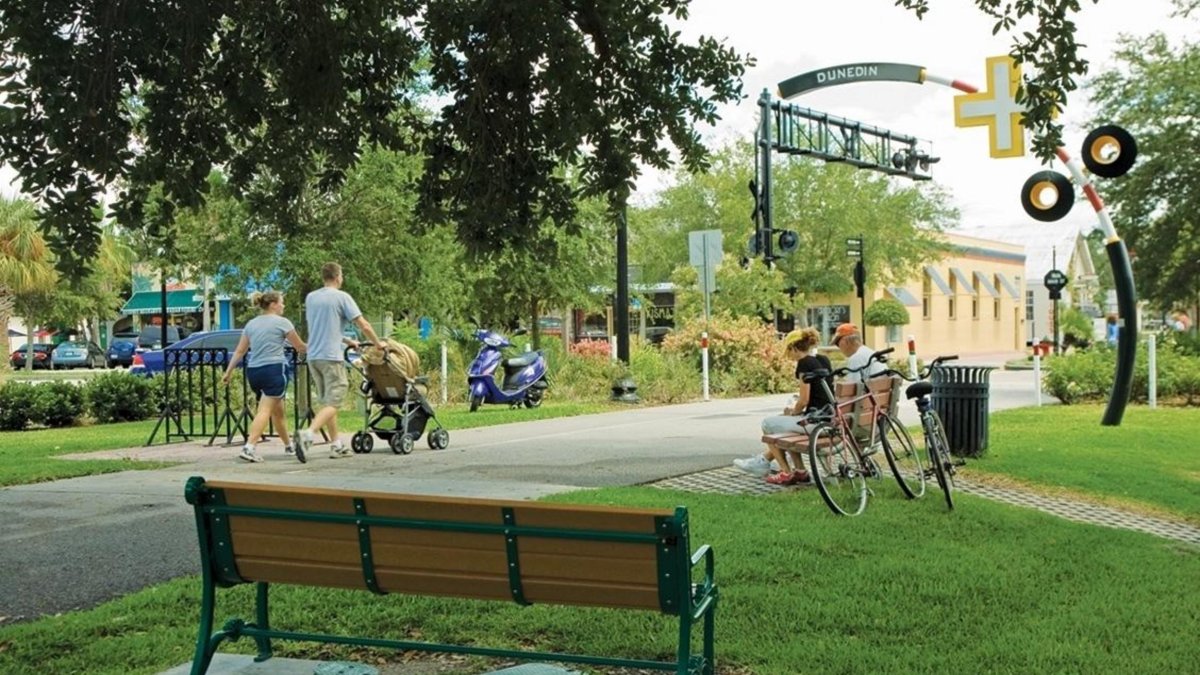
(853, 402)
(478, 548)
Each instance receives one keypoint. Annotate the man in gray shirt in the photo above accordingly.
(326, 310)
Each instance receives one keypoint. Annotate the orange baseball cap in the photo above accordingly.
(844, 330)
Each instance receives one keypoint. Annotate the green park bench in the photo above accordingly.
(523, 552)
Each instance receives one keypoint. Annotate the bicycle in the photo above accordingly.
(941, 465)
(839, 464)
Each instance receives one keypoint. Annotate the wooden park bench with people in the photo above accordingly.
(852, 400)
(482, 549)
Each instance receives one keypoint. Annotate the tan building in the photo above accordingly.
(970, 302)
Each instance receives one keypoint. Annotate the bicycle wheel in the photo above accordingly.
(902, 457)
(836, 471)
(939, 455)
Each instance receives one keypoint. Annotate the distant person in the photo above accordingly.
(327, 310)
(1180, 321)
(266, 336)
(799, 345)
(1111, 329)
(849, 342)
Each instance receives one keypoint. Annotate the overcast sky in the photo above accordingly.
(953, 40)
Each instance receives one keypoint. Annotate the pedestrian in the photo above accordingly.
(1111, 329)
(850, 343)
(810, 398)
(327, 310)
(266, 337)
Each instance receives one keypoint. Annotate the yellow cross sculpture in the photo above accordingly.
(996, 108)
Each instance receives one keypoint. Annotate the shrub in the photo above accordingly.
(662, 377)
(886, 312)
(745, 356)
(18, 402)
(1088, 375)
(592, 349)
(58, 404)
(120, 397)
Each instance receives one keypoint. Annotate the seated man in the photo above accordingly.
(850, 343)
(809, 399)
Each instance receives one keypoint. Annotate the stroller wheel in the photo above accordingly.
(362, 442)
(402, 444)
(438, 439)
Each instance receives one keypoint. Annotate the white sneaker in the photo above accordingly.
(294, 449)
(755, 466)
(247, 454)
(306, 441)
(339, 450)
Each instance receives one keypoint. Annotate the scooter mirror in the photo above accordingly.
(519, 331)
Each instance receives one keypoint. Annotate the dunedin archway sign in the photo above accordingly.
(1108, 152)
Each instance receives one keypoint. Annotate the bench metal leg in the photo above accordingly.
(684, 654)
(263, 621)
(204, 648)
(710, 664)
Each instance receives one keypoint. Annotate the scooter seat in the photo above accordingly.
(522, 360)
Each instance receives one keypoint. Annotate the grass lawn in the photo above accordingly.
(1151, 462)
(907, 587)
(24, 454)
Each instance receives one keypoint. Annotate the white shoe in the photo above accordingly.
(306, 441)
(247, 454)
(338, 450)
(755, 466)
(288, 449)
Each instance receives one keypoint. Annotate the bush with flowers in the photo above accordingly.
(744, 354)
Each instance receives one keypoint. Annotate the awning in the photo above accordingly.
(150, 302)
(15, 333)
(963, 281)
(1009, 286)
(987, 284)
(937, 280)
(900, 293)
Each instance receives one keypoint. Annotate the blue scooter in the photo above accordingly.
(524, 376)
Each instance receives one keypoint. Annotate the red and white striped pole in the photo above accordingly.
(704, 361)
(912, 356)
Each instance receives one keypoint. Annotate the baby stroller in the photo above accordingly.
(397, 410)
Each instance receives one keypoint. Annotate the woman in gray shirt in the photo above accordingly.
(266, 337)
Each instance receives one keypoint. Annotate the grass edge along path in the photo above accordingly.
(1149, 464)
(24, 454)
(907, 587)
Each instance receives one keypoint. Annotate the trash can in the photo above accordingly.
(960, 397)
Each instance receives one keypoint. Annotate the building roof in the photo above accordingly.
(1041, 241)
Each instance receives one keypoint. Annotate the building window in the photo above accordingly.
(1029, 305)
(953, 296)
(926, 298)
(893, 334)
(996, 309)
(975, 298)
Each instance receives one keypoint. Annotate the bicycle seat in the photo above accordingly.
(813, 376)
(918, 390)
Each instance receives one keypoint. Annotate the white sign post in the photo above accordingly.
(1152, 371)
(704, 252)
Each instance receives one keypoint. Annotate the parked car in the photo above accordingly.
(77, 355)
(150, 337)
(41, 356)
(121, 351)
(150, 362)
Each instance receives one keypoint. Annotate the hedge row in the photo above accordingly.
(1088, 375)
(111, 397)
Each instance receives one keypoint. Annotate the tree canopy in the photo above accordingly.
(154, 95)
(1154, 93)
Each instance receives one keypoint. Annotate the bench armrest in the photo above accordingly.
(703, 593)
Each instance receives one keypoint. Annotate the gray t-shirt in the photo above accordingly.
(859, 359)
(327, 310)
(267, 334)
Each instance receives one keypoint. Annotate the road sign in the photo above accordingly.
(704, 247)
(854, 242)
(853, 253)
(1055, 280)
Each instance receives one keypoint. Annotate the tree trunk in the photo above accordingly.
(7, 301)
(534, 329)
(28, 344)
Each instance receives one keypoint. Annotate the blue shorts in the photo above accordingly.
(269, 380)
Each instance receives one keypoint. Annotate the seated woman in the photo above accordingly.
(800, 345)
